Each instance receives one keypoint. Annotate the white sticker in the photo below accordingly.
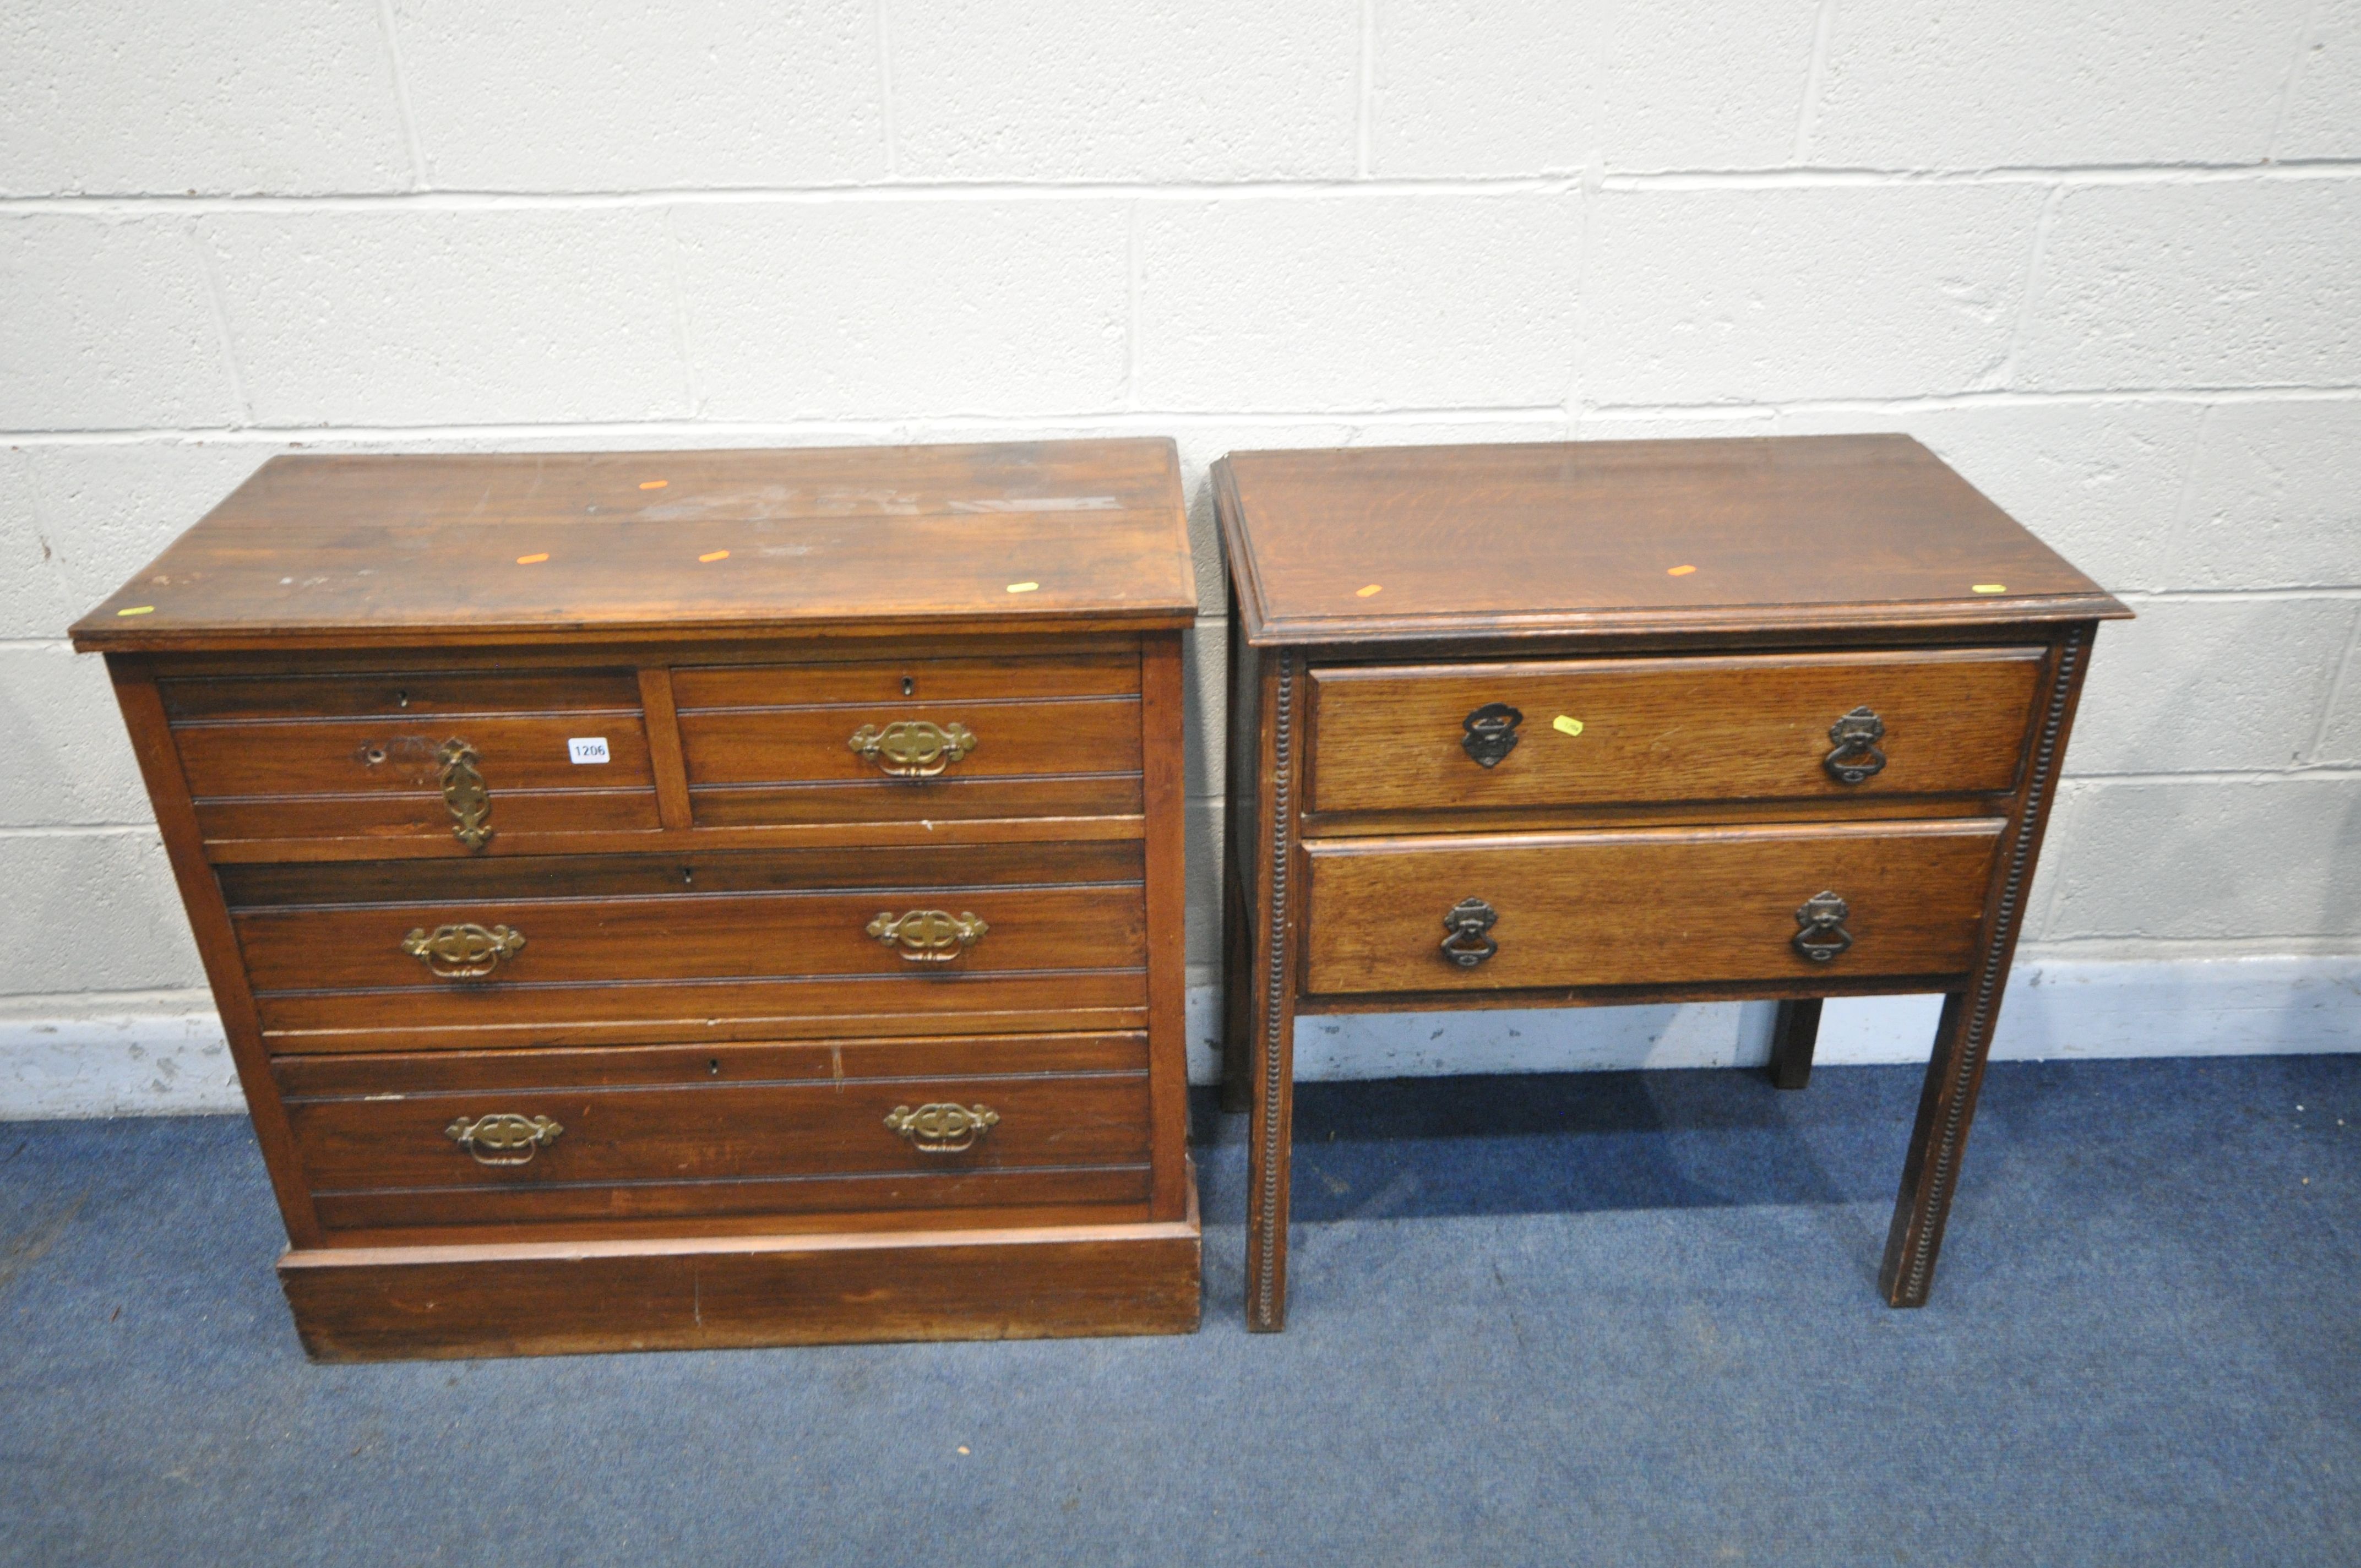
(587, 749)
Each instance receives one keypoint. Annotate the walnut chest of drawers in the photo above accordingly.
(1535, 725)
(687, 899)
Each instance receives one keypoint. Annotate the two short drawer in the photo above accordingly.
(417, 1140)
(1410, 892)
(456, 762)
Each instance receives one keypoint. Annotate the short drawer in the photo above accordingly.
(1503, 911)
(431, 761)
(1588, 732)
(944, 739)
(533, 951)
(674, 1130)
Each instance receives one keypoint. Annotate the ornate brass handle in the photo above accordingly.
(912, 748)
(462, 952)
(1856, 757)
(928, 936)
(463, 792)
(504, 1137)
(1820, 934)
(1467, 945)
(942, 1128)
(1492, 734)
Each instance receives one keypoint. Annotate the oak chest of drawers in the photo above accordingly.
(1535, 726)
(684, 899)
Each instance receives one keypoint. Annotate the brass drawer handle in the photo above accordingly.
(462, 952)
(928, 936)
(1820, 934)
(1856, 736)
(942, 1128)
(912, 748)
(463, 792)
(1492, 734)
(504, 1137)
(1467, 945)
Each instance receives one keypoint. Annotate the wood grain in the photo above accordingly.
(1000, 678)
(1388, 737)
(697, 999)
(420, 550)
(1626, 908)
(692, 1294)
(1837, 533)
(717, 1132)
(1695, 598)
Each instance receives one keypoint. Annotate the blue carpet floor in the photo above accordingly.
(1598, 1318)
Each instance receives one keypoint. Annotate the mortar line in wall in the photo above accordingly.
(1586, 223)
(2336, 690)
(2176, 949)
(2237, 596)
(1130, 398)
(2295, 775)
(2305, 40)
(885, 90)
(409, 136)
(2005, 376)
(275, 434)
(2176, 527)
(77, 830)
(217, 297)
(1365, 112)
(1824, 28)
(896, 190)
(2062, 809)
(693, 396)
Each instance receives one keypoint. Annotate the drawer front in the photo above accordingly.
(1636, 731)
(730, 1130)
(1634, 908)
(429, 761)
(941, 740)
(525, 950)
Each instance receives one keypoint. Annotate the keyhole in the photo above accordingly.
(714, 1067)
(909, 686)
(687, 874)
(374, 755)
(401, 699)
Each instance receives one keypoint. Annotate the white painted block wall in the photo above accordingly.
(2105, 257)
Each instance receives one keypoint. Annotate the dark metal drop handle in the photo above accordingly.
(1856, 757)
(1492, 734)
(1820, 934)
(1467, 945)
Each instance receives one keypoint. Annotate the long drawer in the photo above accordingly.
(1481, 913)
(673, 1130)
(528, 951)
(1596, 731)
(942, 740)
(430, 761)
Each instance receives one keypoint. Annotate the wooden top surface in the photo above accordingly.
(525, 548)
(1375, 544)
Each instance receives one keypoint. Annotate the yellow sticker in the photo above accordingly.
(1988, 588)
(1566, 725)
(1372, 588)
(654, 483)
(532, 560)
(1678, 571)
(1022, 587)
(139, 610)
(715, 556)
